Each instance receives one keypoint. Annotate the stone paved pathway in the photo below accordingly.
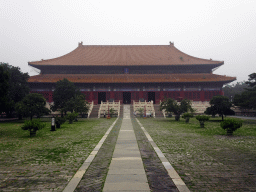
(126, 171)
(129, 160)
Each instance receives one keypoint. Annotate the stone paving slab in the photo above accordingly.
(127, 178)
(124, 186)
(126, 164)
(126, 172)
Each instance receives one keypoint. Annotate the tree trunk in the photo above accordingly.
(57, 125)
(222, 117)
(177, 117)
(229, 132)
(32, 133)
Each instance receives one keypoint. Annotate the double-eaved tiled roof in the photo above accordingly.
(124, 55)
(131, 78)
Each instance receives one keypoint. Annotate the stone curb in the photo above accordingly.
(81, 171)
(171, 171)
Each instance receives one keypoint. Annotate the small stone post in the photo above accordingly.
(53, 124)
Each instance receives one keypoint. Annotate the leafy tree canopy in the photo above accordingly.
(172, 106)
(220, 105)
(231, 90)
(18, 87)
(32, 104)
(247, 99)
(4, 85)
(252, 80)
(67, 97)
(77, 104)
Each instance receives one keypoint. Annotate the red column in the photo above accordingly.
(140, 94)
(91, 96)
(112, 95)
(182, 94)
(201, 95)
(50, 96)
(161, 95)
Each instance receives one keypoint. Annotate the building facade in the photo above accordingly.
(131, 72)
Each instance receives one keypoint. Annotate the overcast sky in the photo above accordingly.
(32, 30)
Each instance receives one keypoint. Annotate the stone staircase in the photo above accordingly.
(95, 110)
(157, 110)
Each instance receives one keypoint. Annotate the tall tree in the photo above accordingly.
(220, 105)
(252, 80)
(4, 85)
(77, 104)
(18, 87)
(31, 105)
(231, 90)
(64, 96)
(171, 105)
(247, 99)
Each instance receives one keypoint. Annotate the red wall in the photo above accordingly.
(136, 95)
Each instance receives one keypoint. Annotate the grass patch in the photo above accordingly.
(203, 156)
(55, 155)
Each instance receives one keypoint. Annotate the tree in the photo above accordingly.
(77, 104)
(231, 90)
(18, 87)
(231, 125)
(220, 105)
(187, 116)
(32, 104)
(63, 96)
(4, 86)
(252, 80)
(247, 99)
(202, 119)
(171, 105)
(33, 126)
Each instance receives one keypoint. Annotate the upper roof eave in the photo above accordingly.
(125, 55)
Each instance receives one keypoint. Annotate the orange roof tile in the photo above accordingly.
(125, 55)
(131, 78)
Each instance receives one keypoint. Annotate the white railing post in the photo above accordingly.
(90, 110)
(99, 110)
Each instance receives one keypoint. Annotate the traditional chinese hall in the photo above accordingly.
(129, 73)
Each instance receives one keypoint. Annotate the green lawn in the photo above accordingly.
(205, 158)
(58, 153)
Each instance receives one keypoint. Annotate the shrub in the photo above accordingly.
(231, 125)
(33, 126)
(71, 117)
(140, 110)
(202, 119)
(187, 116)
(112, 112)
(59, 121)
